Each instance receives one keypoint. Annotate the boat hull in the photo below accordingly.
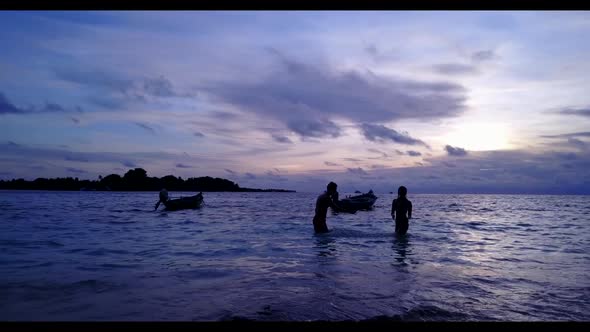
(360, 202)
(192, 202)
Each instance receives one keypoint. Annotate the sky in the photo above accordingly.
(438, 101)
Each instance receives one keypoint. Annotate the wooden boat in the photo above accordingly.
(359, 202)
(191, 202)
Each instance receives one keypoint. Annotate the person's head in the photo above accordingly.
(402, 191)
(163, 195)
(332, 187)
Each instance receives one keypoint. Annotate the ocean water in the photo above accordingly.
(109, 256)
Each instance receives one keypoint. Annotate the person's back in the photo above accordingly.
(401, 211)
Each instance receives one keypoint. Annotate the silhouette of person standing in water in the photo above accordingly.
(399, 208)
(324, 201)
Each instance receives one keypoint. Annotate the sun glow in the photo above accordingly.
(479, 137)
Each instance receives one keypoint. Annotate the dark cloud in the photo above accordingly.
(281, 139)
(75, 120)
(7, 107)
(198, 134)
(378, 166)
(128, 164)
(383, 154)
(577, 143)
(399, 152)
(380, 133)
(378, 55)
(483, 55)
(414, 153)
(52, 107)
(328, 163)
(576, 111)
(250, 176)
(455, 69)
(94, 78)
(306, 99)
(76, 158)
(11, 143)
(159, 87)
(579, 134)
(146, 127)
(221, 115)
(314, 128)
(352, 159)
(179, 165)
(76, 170)
(230, 171)
(357, 171)
(455, 151)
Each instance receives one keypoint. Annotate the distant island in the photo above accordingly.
(134, 180)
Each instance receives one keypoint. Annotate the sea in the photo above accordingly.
(108, 256)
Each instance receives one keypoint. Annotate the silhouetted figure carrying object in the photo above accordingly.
(324, 201)
(163, 198)
(401, 211)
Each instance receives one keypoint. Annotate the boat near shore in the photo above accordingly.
(359, 202)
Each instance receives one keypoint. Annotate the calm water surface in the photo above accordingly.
(109, 256)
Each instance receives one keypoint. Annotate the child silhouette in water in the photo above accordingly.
(399, 207)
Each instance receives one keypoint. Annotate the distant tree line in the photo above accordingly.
(134, 180)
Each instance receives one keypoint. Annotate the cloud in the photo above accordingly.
(11, 143)
(146, 127)
(75, 170)
(578, 134)
(198, 134)
(414, 153)
(75, 120)
(352, 159)
(455, 151)
(179, 165)
(314, 128)
(76, 158)
(328, 163)
(484, 55)
(281, 139)
(128, 164)
(399, 152)
(159, 87)
(380, 133)
(7, 107)
(357, 171)
(250, 176)
(455, 69)
(230, 171)
(383, 154)
(576, 111)
(577, 143)
(307, 99)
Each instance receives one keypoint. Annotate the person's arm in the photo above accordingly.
(409, 210)
(393, 209)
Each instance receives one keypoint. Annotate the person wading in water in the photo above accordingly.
(399, 208)
(324, 201)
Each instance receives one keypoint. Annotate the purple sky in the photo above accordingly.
(442, 102)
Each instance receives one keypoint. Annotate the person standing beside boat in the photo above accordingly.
(324, 201)
(401, 211)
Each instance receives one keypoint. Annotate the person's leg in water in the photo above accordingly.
(319, 225)
(401, 226)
